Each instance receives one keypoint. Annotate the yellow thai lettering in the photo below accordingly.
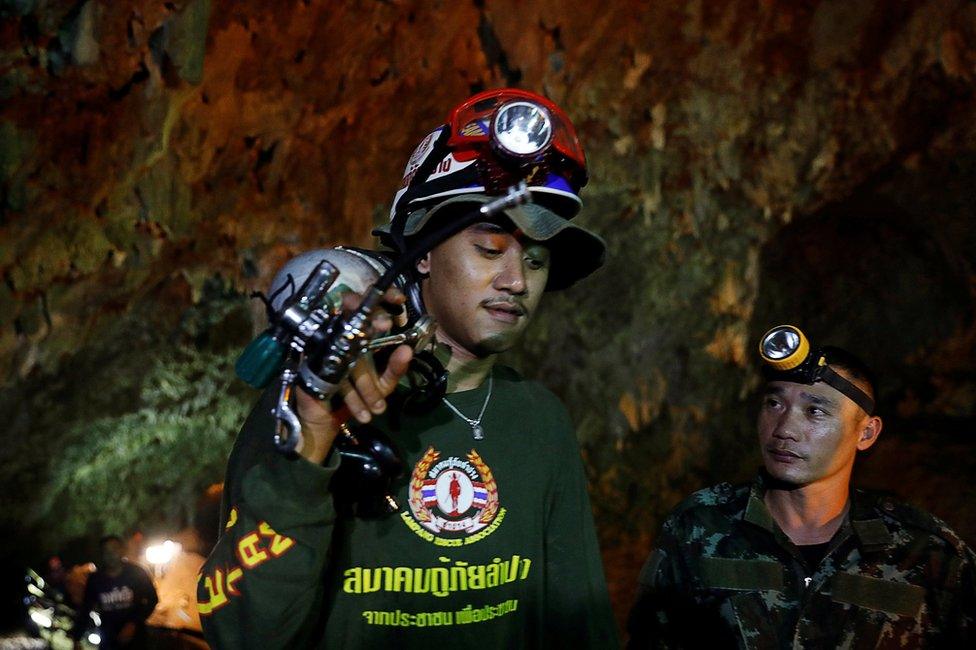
(421, 581)
(372, 580)
(216, 598)
(248, 551)
(469, 614)
(439, 582)
(351, 581)
(403, 579)
(387, 573)
(233, 575)
(476, 576)
(493, 573)
(279, 543)
(454, 576)
(459, 577)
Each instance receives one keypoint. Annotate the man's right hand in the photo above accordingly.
(364, 392)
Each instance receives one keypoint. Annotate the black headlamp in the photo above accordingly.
(787, 356)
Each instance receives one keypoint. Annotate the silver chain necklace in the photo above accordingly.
(477, 432)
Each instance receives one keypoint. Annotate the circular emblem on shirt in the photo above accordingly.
(453, 501)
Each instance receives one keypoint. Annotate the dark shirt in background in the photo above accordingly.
(126, 597)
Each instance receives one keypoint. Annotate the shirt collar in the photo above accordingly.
(870, 531)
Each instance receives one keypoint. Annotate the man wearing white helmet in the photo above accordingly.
(494, 543)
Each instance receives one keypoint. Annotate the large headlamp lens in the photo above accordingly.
(522, 129)
(784, 347)
(780, 343)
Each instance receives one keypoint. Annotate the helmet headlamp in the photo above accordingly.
(491, 142)
(788, 356)
(521, 129)
(517, 125)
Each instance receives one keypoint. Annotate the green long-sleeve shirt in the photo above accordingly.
(493, 544)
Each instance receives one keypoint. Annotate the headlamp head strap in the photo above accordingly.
(835, 380)
(788, 356)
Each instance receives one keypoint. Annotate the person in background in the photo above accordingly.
(123, 595)
(801, 559)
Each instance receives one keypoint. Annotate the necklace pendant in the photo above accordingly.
(477, 432)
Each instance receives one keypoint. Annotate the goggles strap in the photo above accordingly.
(455, 181)
(855, 394)
(426, 168)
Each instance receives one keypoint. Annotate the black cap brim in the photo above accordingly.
(575, 251)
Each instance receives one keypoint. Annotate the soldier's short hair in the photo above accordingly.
(842, 359)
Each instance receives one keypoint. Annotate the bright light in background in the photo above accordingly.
(162, 553)
(94, 638)
(159, 555)
(42, 617)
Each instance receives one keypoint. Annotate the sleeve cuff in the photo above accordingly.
(291, 491)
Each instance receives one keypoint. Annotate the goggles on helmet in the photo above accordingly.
(519, 132)
(788, 356)
(491, 142)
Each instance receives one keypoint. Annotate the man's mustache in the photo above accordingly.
(513, 305)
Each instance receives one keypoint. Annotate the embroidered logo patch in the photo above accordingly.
(453, 501)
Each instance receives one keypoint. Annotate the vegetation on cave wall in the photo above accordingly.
(178, 437)
(160, 160)
(133, 427)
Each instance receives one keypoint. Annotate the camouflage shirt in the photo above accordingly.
(725, 575)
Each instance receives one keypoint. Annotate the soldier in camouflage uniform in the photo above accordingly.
(799, 559)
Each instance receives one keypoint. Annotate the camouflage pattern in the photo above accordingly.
(725, 575)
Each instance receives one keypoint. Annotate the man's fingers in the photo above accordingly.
(394, 302)
(364, 393)
(365, 381)
(396, 367)
(355, 403)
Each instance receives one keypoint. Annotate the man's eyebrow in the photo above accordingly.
(818, 399)
(487, 227)
(773, 390)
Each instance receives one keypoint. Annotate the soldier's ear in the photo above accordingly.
(423, 265)
(870, 429)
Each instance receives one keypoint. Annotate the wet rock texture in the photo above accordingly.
(751, 163)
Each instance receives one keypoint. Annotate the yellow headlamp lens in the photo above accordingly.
(784, 347)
